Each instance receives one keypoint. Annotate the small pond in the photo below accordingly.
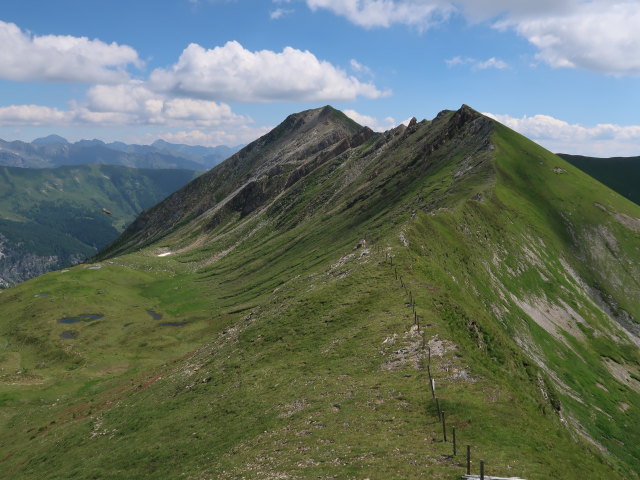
(83, 317)
(68, 334)
(44, 294)
(155, 315)
(172, 324)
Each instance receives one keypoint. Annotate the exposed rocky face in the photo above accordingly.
(268, 170)
(16, 265)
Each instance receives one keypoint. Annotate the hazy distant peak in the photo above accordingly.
(89, 143)
(50, 140)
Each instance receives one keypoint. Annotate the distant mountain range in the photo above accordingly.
(53, 218)
(55, 151)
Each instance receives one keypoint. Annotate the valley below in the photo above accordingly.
(55, 218)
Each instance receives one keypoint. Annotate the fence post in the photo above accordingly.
(481, 469)
(454, 441)
(444, 428)
(468, 459)
(438, 407)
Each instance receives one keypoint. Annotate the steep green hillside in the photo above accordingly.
(309, 287)
(618, 173)
(51, 218)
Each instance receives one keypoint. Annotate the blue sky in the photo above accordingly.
(563, 72)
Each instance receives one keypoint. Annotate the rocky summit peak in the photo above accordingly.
(322, 118)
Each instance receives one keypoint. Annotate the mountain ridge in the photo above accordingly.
(278, 170)
(53, 151)
(304, 285)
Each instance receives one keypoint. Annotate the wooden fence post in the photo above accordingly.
(444, 427)
(454, 441)
(481, 469)
(468, 459)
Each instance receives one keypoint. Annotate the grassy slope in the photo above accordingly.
(296, 377)
(618, 173)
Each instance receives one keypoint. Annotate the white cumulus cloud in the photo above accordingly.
(601, 36)
(559, 136)
(237, 136)
(384, 13)
(180, 120)
(33, 115)
(144, 106)
(62, 58)
(128, 104)
(424, 14)
(372, 122)
(598, 35)
(233, 73)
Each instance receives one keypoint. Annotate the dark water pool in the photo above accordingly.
(172, 324)
(68, 334)
(83, 317)
(44, 294)
(155, 315)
